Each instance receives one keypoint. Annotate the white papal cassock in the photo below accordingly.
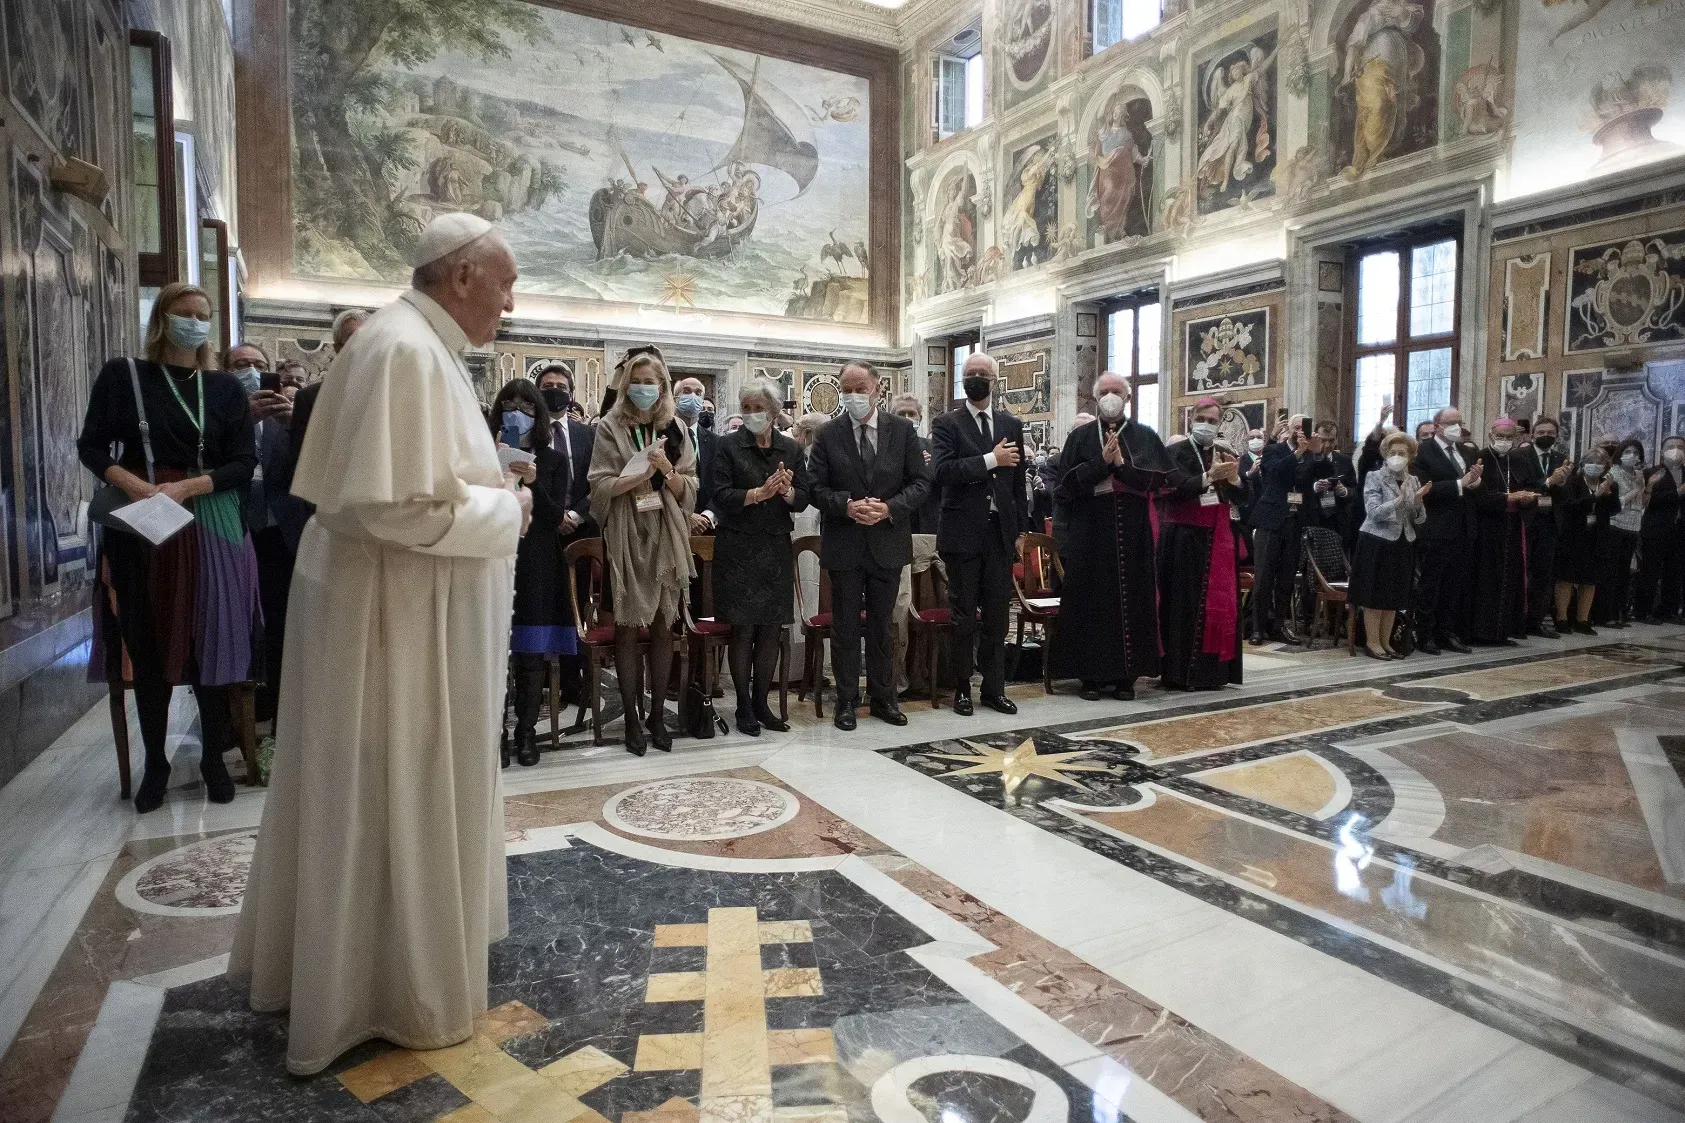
(378, 880)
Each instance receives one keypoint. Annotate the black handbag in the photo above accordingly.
(696, 714)
(110, 497)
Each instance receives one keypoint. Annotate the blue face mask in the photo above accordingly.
(516, 426)
(643, 395)
(689, 406)
(186, 332)
(251, 379)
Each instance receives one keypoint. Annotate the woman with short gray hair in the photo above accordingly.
(759, 481)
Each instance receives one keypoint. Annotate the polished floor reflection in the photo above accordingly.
(1449, 889)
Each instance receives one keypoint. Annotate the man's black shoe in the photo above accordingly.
(890, 714)
(1000, 703)
(844, 718)
(1090, 692)
(962, 704)
(1125, 692)
(1547, 629)
(1458, 645)
(1428, 647)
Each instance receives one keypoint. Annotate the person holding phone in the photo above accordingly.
(185, 612)
(543, 615)
(978, 465)
(1284, 487)
(645, 515)
(760, 482)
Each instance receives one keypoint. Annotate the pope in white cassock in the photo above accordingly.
(378, 880)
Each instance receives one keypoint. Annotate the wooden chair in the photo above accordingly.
(931, 623)
(1331, 578)
(707, 636)
(1038, 561)
(816, 624)
(595, 628)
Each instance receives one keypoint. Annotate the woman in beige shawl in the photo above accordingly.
(645, 516)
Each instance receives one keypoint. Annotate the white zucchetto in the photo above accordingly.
(446, 234)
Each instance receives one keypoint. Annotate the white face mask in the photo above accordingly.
(1674, 457)
(756, 422)
(1111, 406)
(1629, 459)
(1452, 433)
(1398, 463)
(1502, 447)
(859, 406)
(1205, 431)
(1256, 444)
(1592, 471)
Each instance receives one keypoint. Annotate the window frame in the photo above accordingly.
(1091, 25)
(1133, 304)
(947, 52)
(165, 266)
(1403, 344)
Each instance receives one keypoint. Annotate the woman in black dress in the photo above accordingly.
(760, 480)
(1661, 539)
(1583, 508)
(1384, 571)
(184, 612)
(543, 615)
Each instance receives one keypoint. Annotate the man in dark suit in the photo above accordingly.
(574, 440)
(688, 403)
(979, 470)
(869, 476)
(1543, 469)
(1284, 481)
(928, 517)
(1452, 466)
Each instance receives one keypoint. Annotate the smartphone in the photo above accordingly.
(271, 381)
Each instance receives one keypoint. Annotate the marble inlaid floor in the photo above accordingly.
(1445, 889)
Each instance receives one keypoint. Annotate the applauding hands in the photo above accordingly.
(780, 483)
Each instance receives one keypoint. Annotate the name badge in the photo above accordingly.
(1327, 502)
(257, 474)
(1544, 502)
(1208, 499)
(649, 501)
(1104, 487)
(1294, 499)
(1234, 512)
(1591, 520)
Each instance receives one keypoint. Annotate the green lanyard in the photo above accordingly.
(199, 421)
(641, 435)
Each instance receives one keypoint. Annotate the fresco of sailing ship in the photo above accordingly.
(715, 213)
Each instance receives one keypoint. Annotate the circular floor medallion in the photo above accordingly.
(205, 878)
(697, 809)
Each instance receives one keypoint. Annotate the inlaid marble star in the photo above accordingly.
(1019, 764)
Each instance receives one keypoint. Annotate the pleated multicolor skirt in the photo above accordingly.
(186, 611)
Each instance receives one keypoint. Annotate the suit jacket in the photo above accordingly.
(706, 441)
(1282, 473)
(899, 478)
(1664, 510)
(1451, 512)
(928, 518)
(967, 485)
(1531, 476)
(581, 439)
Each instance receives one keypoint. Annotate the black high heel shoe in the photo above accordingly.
(636, 743)
(219, 785)
(150, 795)
(764, 716)
(657, 725)
(526, 747)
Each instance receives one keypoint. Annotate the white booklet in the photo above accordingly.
(636, 465)
(507, 456)
(157, 518)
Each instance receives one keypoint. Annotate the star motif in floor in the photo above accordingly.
(1019, 764)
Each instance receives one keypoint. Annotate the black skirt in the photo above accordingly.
(1384, 573)
(754, 578)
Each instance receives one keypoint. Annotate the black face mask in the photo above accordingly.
(555, 399)
(706, 421)
(1544, 443)
(977, 387)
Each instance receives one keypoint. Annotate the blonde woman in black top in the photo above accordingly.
(184, 612)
